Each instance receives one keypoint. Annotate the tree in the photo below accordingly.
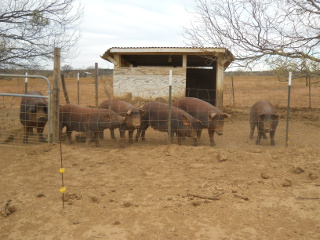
(30, 29)
(259, 30)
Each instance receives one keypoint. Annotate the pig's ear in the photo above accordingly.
(129, 112)
(226, 115)
(107, 115)
(212, 115)
(142, 112)
(185, 121)
(142, 104)
(261, 116)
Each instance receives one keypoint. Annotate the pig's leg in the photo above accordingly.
(211, 133)
(178, 137)
(252, 127)
(143, 135)
(96, 138)
(259, 137)
(122, 130)
(199, 133)
(195, 142)
(272, 133)
(131, 136)
(112, 133)
(40, 134)
(138, 134)
(69, 136)
(26, 134)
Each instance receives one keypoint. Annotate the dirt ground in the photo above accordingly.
(151, 190)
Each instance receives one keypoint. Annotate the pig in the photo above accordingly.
(131, 114)
(33, 114)
(211, 117)
(88, 120)
(263, 115)
(156, 116)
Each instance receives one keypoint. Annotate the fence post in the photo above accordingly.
(78, 87)
(169, 102)
(309, 83)
(234, 102)
(26, 83)
(288, 109)
(56, 95)
(96, 83)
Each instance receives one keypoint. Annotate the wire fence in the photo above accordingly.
(240, 93)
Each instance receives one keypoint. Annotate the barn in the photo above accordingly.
(144, 71)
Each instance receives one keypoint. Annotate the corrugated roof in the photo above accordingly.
(158, 56)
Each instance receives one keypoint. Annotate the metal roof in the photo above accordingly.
(169, 56)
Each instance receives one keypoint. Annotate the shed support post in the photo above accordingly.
(219, 86)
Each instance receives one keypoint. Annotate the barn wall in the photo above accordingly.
(148, 82)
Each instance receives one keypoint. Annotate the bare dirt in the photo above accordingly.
(152, 190)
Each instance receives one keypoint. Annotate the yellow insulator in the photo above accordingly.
(62, 189)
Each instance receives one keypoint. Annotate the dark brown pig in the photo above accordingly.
(88, 120)
(156, 116)
(263, 115)
(33, 114)
(131, 114)
(209, 116)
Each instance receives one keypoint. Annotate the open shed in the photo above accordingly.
(144, 71)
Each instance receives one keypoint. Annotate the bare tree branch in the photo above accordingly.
(258, 30)
(30, 29)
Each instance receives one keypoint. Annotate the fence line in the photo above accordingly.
(241, 96)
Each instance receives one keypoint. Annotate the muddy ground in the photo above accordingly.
(152, 190)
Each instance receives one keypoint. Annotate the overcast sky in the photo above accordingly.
(129, 23)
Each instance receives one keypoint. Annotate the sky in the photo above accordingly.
(129, 23)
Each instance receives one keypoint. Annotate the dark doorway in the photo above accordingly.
(201, 83)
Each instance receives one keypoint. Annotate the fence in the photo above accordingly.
(239, 96)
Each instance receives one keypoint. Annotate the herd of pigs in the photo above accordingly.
(188, 117)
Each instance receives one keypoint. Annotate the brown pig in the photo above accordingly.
(209, 116)
(88, 120)
(131, 114)
(33, 114)
(156, 115)
(263, 115)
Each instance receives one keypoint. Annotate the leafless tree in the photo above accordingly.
(30, 29)
(259, 30)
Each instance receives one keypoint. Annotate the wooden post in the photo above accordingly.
(56, 95)
(169, 102)
(234, 102)
(78, 87)
(96, 82)
(64, 88)
(309, 83)
(26, 83)
(288, 109)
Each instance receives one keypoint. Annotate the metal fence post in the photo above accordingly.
(288, 109)
(169, 102)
